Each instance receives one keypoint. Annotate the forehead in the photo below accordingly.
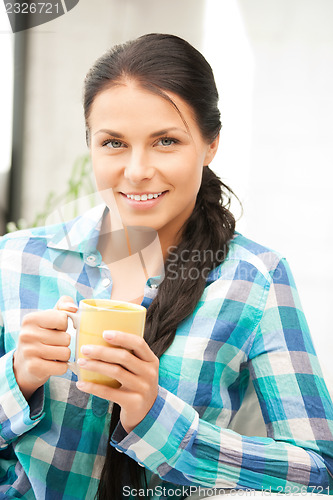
(128, 101)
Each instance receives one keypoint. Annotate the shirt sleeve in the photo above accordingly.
(297, 454)
(16, 415)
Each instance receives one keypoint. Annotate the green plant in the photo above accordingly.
(80, 183)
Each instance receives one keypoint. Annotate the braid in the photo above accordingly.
(207, 231)
(206, 234)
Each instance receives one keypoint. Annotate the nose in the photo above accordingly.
(138, 168)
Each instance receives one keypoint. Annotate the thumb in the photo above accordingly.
(66, 303)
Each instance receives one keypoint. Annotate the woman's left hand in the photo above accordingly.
(134, 365)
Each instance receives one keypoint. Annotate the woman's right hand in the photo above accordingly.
(43, 347)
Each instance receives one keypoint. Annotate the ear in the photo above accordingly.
(211, 150)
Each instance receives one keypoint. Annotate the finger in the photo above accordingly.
(104, 392)
(66, 303)
(42, 368)
(34, 335)
(131, 342)
(127, 379)
(52, 338)
(51, 319)
(57, 367)
(114, 355)
(54, 367)
(53, 353)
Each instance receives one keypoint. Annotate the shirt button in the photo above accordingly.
(91, 259)
(106, 282)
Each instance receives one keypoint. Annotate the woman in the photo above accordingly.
(226, 312)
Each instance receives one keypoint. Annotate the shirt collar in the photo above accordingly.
(80, 234)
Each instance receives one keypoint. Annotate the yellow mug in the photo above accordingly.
(93, 317)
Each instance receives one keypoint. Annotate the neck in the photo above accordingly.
(167, 243)
(125, 242)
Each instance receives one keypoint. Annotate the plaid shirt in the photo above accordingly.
(248, 325)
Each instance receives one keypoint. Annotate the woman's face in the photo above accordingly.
(142, 149)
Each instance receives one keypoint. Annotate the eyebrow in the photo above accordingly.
(158, 133)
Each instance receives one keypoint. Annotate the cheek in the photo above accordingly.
(189, 175)
(105, 175)
(187, 166)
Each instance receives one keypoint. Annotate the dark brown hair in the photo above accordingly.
(166, 63)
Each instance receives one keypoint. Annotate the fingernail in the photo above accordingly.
(82, 361)
(80, 385)
(86, 349)
(109, 334)
(70, 306)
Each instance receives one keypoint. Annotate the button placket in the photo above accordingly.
(92, 258)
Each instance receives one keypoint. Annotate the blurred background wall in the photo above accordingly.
(273, 61)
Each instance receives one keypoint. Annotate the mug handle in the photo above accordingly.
(72, 365)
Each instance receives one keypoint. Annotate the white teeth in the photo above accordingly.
(143, 197)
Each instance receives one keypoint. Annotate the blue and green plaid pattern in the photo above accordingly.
(248, 325)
